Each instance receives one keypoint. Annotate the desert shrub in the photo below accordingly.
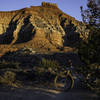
(93, 71)
(45, 63)
(6, 64)
(45, 69)
(8, 78)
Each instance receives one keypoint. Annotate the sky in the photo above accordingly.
(70, 7)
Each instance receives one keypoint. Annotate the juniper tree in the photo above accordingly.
(91, 17)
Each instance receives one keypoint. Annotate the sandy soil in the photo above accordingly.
(40, 93)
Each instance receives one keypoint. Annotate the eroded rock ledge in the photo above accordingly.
(41, 27)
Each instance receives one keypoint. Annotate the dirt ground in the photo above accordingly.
(41, 93)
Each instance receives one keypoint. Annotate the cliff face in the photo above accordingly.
(44, 26)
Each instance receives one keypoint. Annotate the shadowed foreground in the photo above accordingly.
(46, 94)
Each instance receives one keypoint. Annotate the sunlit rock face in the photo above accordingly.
(44, 26)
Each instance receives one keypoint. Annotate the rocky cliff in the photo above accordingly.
(40, 27)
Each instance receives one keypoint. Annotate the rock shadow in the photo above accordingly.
(71, 37)
(29, 63)
(31, 60)
(26, 32)
(7, 37)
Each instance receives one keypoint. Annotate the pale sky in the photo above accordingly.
(71, 7)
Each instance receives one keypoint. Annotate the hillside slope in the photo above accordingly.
(43, 27)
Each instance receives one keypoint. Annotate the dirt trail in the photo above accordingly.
(46, 94)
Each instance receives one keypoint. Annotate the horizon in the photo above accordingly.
(67, 6)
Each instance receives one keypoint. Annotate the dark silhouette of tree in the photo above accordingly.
(89, 50)
(91, 16)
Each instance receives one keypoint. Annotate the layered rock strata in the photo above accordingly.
(44, 26)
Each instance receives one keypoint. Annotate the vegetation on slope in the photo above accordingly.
(89, 50)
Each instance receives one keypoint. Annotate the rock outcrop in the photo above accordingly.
(41, 27)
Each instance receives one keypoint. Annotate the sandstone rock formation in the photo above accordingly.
(41, 27)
